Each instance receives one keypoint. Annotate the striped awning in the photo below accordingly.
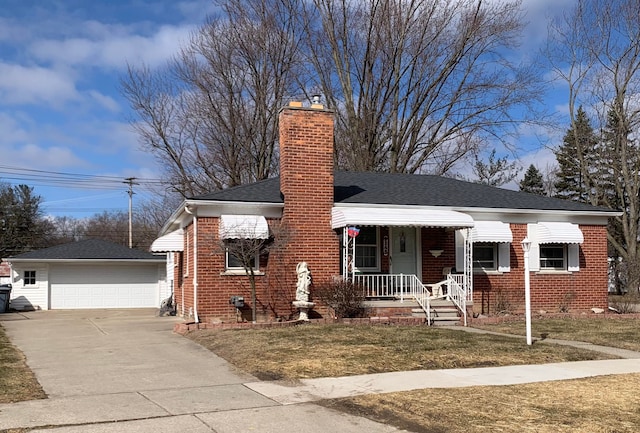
(559, 233)
(398, 217)
(491, 231)
(173, 241)
(243, 227)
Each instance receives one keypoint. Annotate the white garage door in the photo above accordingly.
(107, 286)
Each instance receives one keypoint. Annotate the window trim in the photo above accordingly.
(565, 258)
(377, 267)
(495, 265)
(26, 278)
(239, 269)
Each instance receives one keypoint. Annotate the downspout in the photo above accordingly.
(195, 262)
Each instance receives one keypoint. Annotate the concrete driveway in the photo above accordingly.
(85, 352)
(103, 366)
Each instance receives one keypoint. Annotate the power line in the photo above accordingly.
(69, 180)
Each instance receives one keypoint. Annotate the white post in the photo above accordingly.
(526, 246)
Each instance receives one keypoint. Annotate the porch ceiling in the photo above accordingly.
(418, 217)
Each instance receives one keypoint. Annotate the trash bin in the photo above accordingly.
(5, 296)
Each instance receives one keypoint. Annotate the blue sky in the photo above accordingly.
(60, 105)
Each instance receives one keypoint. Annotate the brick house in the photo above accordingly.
(398, 236)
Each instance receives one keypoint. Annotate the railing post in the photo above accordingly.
(401, 288)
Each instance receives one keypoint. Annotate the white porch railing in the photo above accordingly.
(401, 286)
(398, 286)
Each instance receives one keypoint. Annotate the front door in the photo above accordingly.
(403, 250)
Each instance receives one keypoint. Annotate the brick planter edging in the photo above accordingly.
(184, 328)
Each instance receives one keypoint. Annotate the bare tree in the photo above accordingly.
(114, 227)
(417, 85)
(596, 51)
(211, 115)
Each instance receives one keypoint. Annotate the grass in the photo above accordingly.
(595, 405)
(312, 351)
(605, 404)
(17, 381)
(621, 332)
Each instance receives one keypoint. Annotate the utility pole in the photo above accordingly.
(130, 182)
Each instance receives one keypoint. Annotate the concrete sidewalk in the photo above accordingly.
(108, 374)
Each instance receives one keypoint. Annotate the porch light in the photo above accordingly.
(436, 252)
(526, 247)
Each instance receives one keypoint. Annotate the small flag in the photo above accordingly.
(353, 232)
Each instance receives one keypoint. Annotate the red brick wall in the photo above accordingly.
(576, 291)
(306, 182)
(215, 287)
(437, 238)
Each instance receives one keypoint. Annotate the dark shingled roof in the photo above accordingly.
(407, 189)
(90, 249)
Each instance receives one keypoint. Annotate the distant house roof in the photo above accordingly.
(407, 189)
(90, 249)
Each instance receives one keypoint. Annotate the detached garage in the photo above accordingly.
(87, 274)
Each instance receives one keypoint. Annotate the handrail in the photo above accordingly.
(457, 293)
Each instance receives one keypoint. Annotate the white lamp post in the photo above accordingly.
(526, 246)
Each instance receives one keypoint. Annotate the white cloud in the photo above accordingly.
(105, 101)
(113, 50)
(27, 85)
(34, 156)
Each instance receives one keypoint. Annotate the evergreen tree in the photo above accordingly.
(22, 226)
(532, 181)
(577, 159)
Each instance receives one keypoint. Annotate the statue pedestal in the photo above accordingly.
(303, 307)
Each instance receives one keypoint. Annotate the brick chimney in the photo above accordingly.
(306, 182)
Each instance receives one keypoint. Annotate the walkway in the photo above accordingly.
(99, 367)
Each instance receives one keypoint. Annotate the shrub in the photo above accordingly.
(343, 297)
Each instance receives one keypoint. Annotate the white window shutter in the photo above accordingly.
(573, 257)
(504, 257)
(534, 252)
(459, 251)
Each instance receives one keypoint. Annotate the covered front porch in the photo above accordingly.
(416, 255)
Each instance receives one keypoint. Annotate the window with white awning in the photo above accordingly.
(555, 246)
(243, 227)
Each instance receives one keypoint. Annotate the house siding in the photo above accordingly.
(33, 296)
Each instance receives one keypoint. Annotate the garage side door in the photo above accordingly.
(104, 286)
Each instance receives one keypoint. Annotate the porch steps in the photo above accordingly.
(443, 313)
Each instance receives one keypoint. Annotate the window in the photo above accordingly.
(29, 278)
(367, 249)
(233, 254)
(484, 256)
(553, 257)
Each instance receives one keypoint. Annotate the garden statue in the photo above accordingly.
(304, 280)
(302, 291)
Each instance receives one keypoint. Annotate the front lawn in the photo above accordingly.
(619, 331)
(311, 351)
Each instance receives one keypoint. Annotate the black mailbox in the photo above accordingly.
(237, 301)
